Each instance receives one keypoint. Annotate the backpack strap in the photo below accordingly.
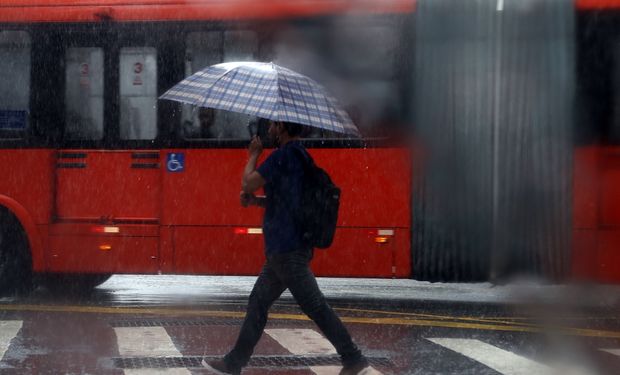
(305, 156)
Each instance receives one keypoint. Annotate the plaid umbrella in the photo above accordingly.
(265, 90)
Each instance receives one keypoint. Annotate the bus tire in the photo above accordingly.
(71, 283)
(15, 258)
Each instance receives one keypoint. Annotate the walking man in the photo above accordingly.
(287, 257)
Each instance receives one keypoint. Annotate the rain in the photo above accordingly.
(473, 146)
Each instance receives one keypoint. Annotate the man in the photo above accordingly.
(287, 257)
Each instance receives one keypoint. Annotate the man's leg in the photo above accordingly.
(266, 290)
(293, 269)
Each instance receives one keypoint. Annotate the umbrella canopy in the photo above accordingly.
(265, 90)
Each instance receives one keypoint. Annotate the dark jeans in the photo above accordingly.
(292, 271)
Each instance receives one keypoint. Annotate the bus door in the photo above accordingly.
(212, 233)
(108, 199)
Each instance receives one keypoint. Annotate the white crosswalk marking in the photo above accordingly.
(326, 370)
(612, 351)
(158, 371)
(310, 342)
(335, 370)
(498, 359)
(145, 342)
(8, 330)
(302, 341)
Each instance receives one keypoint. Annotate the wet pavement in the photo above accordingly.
(170, 324)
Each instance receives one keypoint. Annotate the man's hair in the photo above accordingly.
(293, 129)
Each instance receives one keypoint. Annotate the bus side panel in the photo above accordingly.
(90, 248)
(354, 253)
(375, 183)
(92, 254)
(359, 252)
(213, 234)
(596, 214)
(403, 256)
(110, 184)
(201, 206)
(217, 251)
(376, 190)
(609, 189)
(206, 191)
(608, 254)
(586, 178)
(608, 257)
(28, 180)
(584, 262)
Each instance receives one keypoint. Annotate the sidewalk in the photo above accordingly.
(515, 293)
(166, 289)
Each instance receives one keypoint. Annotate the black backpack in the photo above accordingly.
(319, 205)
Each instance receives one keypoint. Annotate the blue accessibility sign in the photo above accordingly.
(175, 162)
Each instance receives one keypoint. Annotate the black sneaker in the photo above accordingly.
(219, 366)
(355, 367)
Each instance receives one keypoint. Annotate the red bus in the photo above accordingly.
(100, 177)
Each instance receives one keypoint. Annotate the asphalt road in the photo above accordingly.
(168, 325)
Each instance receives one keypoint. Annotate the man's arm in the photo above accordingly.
(252, 200)
(252, 180)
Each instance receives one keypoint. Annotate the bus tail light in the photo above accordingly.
(105, 247)
(105, 229)
(248, 230)
(382, 235)
(381, 239)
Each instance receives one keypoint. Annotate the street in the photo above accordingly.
(170, 324)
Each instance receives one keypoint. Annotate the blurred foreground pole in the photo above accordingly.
(494, 90)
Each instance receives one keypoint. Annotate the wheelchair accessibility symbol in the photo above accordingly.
(175, 162)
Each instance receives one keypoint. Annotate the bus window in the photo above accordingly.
(138, 93)
(366, 55)
(240, 45)
(209, 48)
(356, 61)
(84, 94)
(203, 49)
(15, 88)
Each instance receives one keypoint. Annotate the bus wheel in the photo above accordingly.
(73, 283)
(15, 261)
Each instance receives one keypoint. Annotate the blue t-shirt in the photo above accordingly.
(283, 172)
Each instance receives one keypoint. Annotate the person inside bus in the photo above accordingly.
(287, 263)
(202, 126)
(206, 119)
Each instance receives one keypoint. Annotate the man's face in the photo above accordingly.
(275, 128)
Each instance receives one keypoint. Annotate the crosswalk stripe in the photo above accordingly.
(498, 359)
(148, 342)
(158, 371)
(306, 342)
(8, 330)
(302, 341)
(612, 351)
(145, 342)
(326, 370)
(335, 370)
